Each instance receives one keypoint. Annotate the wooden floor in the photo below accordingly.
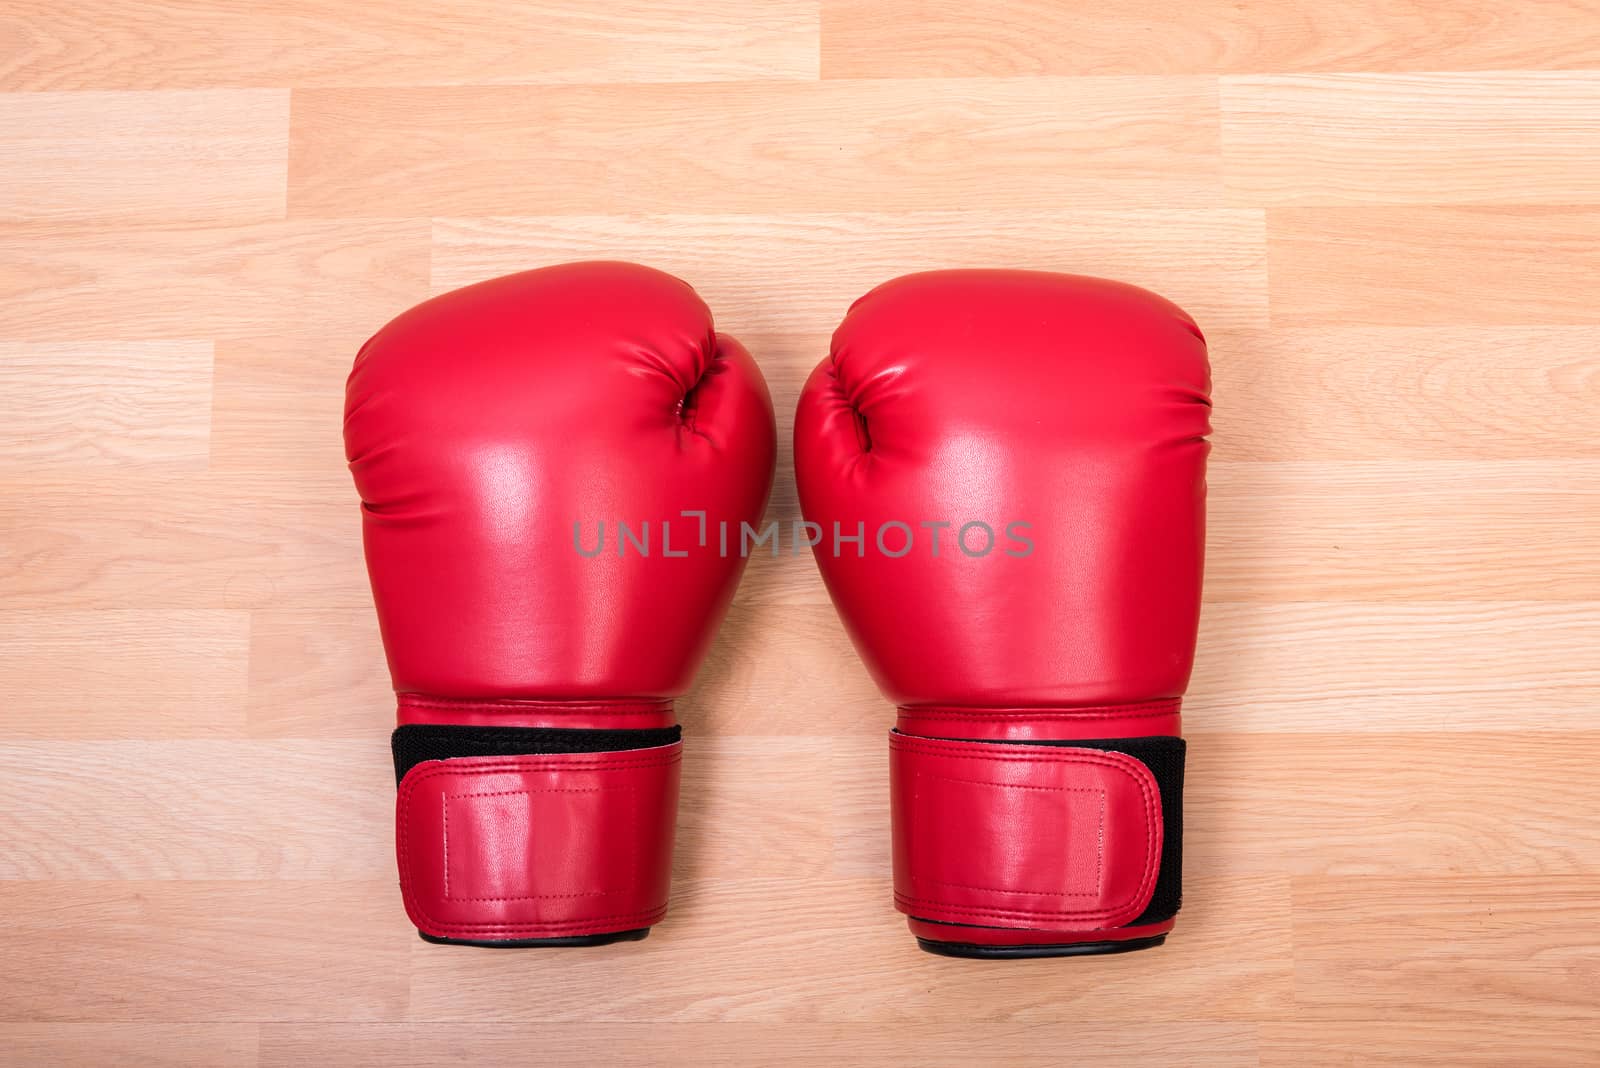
(1385, 214)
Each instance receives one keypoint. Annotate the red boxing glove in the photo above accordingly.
(1008, 469)
(526, 450)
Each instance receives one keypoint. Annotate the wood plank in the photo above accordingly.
(1432, 266)
(122, 672)
(323, 283)
(1514, 947)
(128, 951)
(747, 811)
(1403, 531)
(961, 38)
(1509, 138)
(144, 44)
(130, 811)
(1406, 393)
(277, 406)
(219, 155)
(781, 282)
(166, 541)
(318, 675)
(1362, 666)
(823, 1044)
(128, 404)
(1427, 803)
(753, 147)
(1463, 1038)
(130, 1045)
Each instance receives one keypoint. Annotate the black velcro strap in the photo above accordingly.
(418, 742)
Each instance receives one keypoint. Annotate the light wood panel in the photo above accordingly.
(123, 404)
(182, 669)
(1385, 215)
(145, 44)
(318, 282)
(1453, 392)
(958, 38)
(1394, 1040)
(1214, 261)
(1504, 138)
(1430, 803)
(217, 541)
(820, 1045)
(1438, 965)
(132, 951)
(1376, 666)
(219, 154)
(131, 1045)
(1393, 531)
(193, 809)
(751, 147)
(1433, 266)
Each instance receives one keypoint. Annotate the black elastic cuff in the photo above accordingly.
(1164, 757)
(418, 742)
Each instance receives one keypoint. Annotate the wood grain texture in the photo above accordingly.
(216, 282)
(218, 154)
(964, 38)
(130, 1045)
(819, 1045)
(132, 951)
(1411, 394)
(184, 669)
(1401, 1041)
(821, 146)
(842, 255)
(1433, 266)
(1385, 215)
(1503, 138)
(129, 405)
(1437, 967)
(146, 44)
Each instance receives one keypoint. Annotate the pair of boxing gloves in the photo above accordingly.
(563, 472)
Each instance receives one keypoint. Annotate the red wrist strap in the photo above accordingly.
(538, 846)
(1007, 835)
